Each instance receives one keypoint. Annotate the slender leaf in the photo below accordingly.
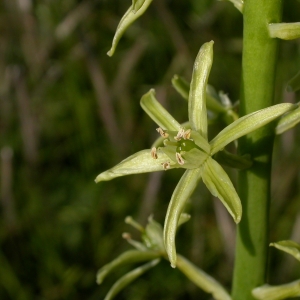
(247, 124)
(181, 194)
(219, 184)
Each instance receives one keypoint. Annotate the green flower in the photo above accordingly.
(151, 250)
(190, 149)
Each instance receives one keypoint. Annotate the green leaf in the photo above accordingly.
(294, 84)
(202, 279)
(284, 291)
(288, 121)
(181, 194)
(140, 162)
(247, 124)
(289, 247)
(219, 184)
(133, 13)
(128, 278)
(158, 113)
(284, 31)
(197, 94)
(128, 257)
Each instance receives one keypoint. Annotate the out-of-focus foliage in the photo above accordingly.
(68, 111)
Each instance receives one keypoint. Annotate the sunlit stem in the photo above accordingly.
(258, 71)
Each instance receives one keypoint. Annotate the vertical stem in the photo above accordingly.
(259, 58)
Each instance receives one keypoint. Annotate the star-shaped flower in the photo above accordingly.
(189, 148)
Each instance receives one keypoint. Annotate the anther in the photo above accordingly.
(166, 165)
(179, 158)
(162, 133)
(154, 153)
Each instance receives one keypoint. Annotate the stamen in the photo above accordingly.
(154, 153)
(129, 220)
(168, 143)
(162, 133)
(179, 158)
(187, 134)
(179, 134)
(166, 165)
(126, 236)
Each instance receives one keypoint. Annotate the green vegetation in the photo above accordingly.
(68, 112)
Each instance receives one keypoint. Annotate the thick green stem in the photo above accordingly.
(258, 69)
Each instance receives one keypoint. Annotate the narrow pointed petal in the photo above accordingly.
(284, 291)
(289, 247)
(202, 279)
(158, 113)
(183, 88)
(284, 31)
(133, 13)
(239, 4)
(140, 162)
(154, 233)
(197, 94)
(247, 124)
(288, 121)
(128, 278)
(181, 194)
(128, 257)
(220, 185)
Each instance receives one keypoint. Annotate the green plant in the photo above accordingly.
(186, 146)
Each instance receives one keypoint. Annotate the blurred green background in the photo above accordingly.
(68, 112)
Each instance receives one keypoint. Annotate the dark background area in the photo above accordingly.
(69, 112)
